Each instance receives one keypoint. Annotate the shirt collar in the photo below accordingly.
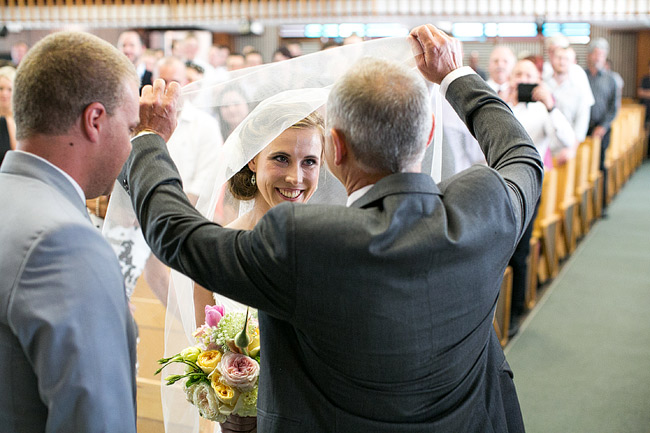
(356, 195)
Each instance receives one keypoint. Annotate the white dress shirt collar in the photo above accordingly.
(356, 195)
(444, 85)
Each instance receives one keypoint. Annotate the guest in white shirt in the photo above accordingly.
(195, 144)
(573, 101)
(577, 75)
(502, 60)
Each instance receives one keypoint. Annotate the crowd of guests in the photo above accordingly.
(559, 103)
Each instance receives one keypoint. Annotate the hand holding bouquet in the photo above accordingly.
(222, 369)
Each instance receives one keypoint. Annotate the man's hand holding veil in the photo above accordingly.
(436, 53)
(158, 109)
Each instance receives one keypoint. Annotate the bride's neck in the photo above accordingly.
(250, 219)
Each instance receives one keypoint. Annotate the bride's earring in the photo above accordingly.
(253, 179)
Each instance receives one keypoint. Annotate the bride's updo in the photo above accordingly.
(241, 185)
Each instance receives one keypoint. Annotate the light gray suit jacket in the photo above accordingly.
(67, 338)
(377, 317)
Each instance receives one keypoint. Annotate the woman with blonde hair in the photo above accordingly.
(7, 124)
(286, 170)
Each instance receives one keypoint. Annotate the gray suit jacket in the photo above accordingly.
(377, 317)
(67, 338)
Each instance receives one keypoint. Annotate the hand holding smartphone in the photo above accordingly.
(525, 92)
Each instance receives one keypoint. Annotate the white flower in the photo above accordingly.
(205, 400)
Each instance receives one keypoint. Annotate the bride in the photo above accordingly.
(286, 170)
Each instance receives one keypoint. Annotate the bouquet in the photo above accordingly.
(222, 369)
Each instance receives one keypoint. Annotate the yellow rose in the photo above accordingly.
(208, 360)
(254, 346)
(225, 394)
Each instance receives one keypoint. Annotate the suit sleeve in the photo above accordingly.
(504, 141)
(69, 312)
(252, 267)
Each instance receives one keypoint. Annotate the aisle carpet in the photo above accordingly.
(582, 358)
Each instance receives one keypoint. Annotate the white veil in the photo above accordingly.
(277, 96)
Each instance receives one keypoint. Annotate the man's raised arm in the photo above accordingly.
(506, 145)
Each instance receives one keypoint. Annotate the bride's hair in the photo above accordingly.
(240, 185)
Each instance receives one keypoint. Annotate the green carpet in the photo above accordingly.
(582, 358)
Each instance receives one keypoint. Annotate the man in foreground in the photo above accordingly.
(67, 338)
(377, 316)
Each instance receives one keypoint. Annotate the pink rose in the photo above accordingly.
(214, 314)
(239, 371)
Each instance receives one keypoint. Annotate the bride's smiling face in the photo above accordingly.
(288, 168)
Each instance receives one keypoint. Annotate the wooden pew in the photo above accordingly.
(149, 407)
(642, 143)
(149, 314)
(638, 135)
(530, 294)
(583, 187)
(642, 139)
(627, 137)
(595, 198)
(501, 321)
(612, 158)
(566, 207)
(546, 228)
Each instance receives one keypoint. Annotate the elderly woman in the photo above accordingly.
(7, 124)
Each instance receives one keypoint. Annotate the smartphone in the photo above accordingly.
(525, 92)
